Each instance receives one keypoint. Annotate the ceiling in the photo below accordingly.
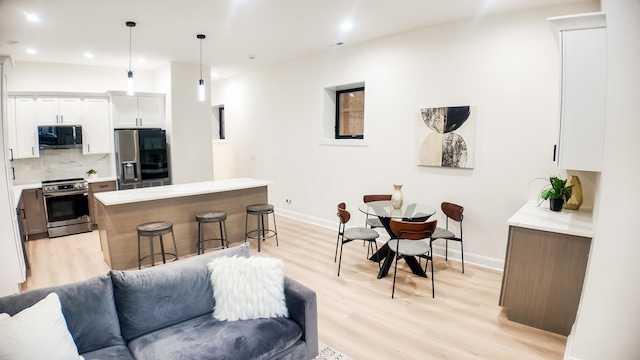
(271, 31)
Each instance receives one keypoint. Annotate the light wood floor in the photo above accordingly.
(356, 314)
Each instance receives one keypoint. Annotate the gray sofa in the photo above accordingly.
(165, 312)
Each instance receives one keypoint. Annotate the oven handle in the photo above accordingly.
(81, 192)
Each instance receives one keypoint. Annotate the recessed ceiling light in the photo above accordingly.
(13, 42)
(88, 55)
(141, 60)
(346, 26)
(32, 51)
(252, 57)
(339, 43)
(33, 17)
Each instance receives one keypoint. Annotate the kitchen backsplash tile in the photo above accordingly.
(60, 164)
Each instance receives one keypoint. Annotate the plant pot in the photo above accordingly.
(556, 204)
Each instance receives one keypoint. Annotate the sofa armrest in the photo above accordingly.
(303, 309)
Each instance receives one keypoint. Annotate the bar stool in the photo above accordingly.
(261, 211)
(212, 217)
(150, 230)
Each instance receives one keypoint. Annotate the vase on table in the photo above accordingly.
(396, 197)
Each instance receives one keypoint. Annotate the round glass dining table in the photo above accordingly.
(385, 212)
(408, 211)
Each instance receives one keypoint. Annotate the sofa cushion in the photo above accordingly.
(117, 352)
(247, 288)
(165, 295)
(207, 338)
(88, 308)
(38, 332)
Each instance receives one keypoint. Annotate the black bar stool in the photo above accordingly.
(150, 230)
(212, 217)
(260, 211)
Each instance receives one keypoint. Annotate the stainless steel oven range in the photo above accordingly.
(66, 204)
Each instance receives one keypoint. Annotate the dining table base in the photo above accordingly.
(388, 256)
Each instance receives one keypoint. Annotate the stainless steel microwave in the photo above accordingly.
(60, 137)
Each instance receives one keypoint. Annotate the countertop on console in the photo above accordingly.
(173, 191)
(570, 222)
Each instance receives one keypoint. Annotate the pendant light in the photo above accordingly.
(130, 90)
(201, 89)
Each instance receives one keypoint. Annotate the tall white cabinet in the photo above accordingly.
(583, 46)
(12, 262)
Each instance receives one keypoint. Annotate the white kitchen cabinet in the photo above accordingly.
(142, 111)
(96, 128)
(23, 134)
(583, 46)
(54, 110)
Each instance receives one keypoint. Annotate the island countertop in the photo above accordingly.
(570, 222)
(175, 191)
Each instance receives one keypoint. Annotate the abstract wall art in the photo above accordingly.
(447, 136)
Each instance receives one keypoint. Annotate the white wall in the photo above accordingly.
(608, 320)
(191, 154)
(507, 65)
(34, 76)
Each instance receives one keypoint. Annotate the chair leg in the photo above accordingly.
(337, 244)
(395, 271)
(379, 262)
(340, 261)
(462, 255)
(446, 250)
(433, 289)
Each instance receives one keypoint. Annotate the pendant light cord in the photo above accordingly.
(200, 59)
(130, 48)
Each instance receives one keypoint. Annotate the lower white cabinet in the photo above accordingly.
(96, 128)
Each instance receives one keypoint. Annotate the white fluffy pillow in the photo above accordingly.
(247, 288)
(38, 332)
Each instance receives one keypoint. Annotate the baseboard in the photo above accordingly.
(438, 250)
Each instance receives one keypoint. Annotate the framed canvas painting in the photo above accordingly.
(447, 136)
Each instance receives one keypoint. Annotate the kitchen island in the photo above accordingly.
(120, 212)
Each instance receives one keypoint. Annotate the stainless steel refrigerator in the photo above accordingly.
(141, 158)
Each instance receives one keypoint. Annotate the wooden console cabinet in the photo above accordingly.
(544, 270)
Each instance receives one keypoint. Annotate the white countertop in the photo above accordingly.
(571, 222)
(17, 189)
(173, 191)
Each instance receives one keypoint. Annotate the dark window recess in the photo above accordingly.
(350, 113)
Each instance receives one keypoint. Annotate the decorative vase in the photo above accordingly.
(556, 204)
(396, 197)
(575, 201)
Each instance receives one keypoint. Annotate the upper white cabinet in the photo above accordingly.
(96, 128)
(23, 137)
(583, 46)
(53, 110)
(146, 111)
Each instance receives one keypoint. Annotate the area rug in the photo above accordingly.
(328, 353)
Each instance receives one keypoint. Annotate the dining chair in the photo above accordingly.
(455, 213)
(411, 240)
(374, 222)
(347, 235)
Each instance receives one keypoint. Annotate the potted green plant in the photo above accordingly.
(92, 174)
(557, 192)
